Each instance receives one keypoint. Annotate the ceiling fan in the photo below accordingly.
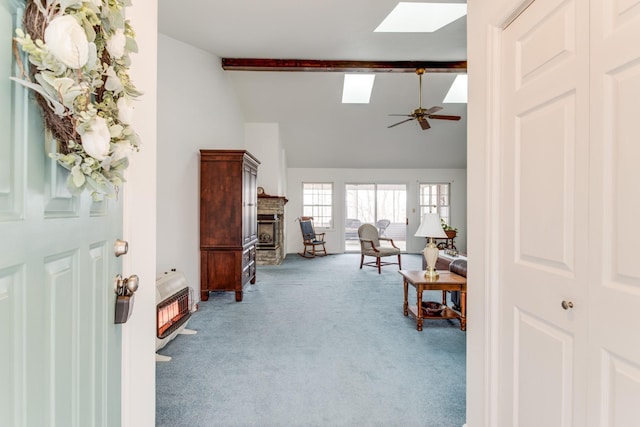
(421, 114)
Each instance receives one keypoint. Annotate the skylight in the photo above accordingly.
(421, 17)
(458, 91)
(357, 88)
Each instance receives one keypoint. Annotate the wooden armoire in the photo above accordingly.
(228, 221)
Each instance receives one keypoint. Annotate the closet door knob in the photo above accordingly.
(566, 305)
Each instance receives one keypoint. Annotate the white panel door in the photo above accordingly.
(544, 216)
(59, 348)
(614, 322)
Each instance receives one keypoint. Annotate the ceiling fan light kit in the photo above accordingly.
(421, 114)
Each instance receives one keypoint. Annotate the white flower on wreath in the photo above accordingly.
(93, 55)
(96, 138)
(125, 110)
(121, 150)
(116, 44)
(67, 41)
(113, 82)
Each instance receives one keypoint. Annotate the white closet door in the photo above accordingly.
(614, 291)
(544, 154)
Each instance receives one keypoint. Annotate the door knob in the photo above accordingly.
(127, 285)
(132, 283)
(125, 289)
(118, 284)
(120, 247)
(566, 305)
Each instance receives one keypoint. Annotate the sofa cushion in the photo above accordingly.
(459, 266)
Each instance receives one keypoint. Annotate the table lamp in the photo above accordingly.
(431, 227)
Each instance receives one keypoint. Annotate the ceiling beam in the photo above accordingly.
(261, 64)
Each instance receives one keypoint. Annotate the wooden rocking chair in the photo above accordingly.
(311, 239)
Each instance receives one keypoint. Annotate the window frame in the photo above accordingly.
(318, 210)
(444, 210)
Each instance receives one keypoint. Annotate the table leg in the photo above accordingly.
(419, 307)
(444, 297)
(463, 310)
(405, 306)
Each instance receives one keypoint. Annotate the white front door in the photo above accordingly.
(60, 350)
(569, 275)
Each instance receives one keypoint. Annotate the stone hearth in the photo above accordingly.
(272, 253)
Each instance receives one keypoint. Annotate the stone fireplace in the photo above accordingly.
(270, 250)
(268, 226)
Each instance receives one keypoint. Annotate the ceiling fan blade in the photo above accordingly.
(422, 114)
(443, 117)
(424, 124)
(433, 110)
(399, 123)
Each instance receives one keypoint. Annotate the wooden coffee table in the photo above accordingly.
(447, 281)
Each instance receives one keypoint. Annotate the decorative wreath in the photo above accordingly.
(78, 53)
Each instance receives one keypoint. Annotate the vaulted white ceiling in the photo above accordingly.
(316, 129)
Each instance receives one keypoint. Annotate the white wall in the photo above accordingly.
(263, 141)
(340, 177)
(197, 108)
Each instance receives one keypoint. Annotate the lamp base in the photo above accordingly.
(431, 256)
(431, 274)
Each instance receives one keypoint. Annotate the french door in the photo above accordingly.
(383, 205)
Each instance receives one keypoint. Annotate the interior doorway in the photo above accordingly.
(383, 205)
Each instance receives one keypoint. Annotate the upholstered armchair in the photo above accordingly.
(382, 225)
(370, 245)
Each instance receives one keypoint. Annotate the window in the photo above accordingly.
(435, 198)
(317, 201)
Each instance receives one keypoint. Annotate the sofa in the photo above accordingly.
(458, 266)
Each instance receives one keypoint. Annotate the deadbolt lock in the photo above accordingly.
(120, 247)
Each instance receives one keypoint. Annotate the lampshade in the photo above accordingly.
(431, 227)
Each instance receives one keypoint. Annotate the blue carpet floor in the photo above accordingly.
(315, 342)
